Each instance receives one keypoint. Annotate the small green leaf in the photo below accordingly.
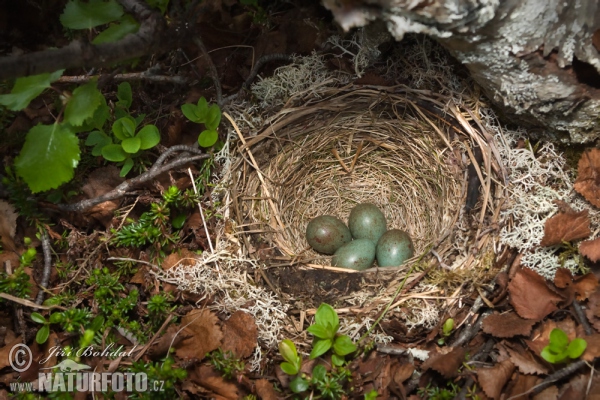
(28, 88)
(551, 357)
(447, 327)
(131, 145)
(213, 118)
(124, 94)
(318, 373)
(178, 221)
(83, 104)
(208, 138)
(576, 348)
(372, 395)
(288, 351)
(48, 157)
(126, 167)
(336, 360)
(189, 110)
(326, 314)
(124, 128)
(149, 137)
(43, 334)
(320, 332)
(118, 30)
(114, 152)
(288, 368)
(320, 347)
(558, 340)
(299, 385)
(343, 345)
(86, 15)
(56, 318)
(37, 317)
(98, 139)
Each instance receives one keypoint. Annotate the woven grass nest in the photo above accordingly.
(406, 151)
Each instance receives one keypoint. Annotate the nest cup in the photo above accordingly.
(397, 148)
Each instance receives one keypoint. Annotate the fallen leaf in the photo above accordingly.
(593, 347)
(524, 360)
(588, 174)
(8, 225)
(550, 393)
(180, 257)
(6, 350)
(585, 285)
(204, 334)
(402, 372)
(566, 226)
(102, 181)
(240, 334)
(205, 376)
(507, 325)
(493, 379)
(563, 278)
(171, 338)
(446, 364)
(592, 312)
(530, 296)
(265, 390)
(590, 249)
(521, 386)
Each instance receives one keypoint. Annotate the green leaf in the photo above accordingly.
(126, 167)
(83, 104)
(318, 373)
(288, 368)
(551, 357)
(558, 340)
(48, 157)
(86, 15)
(320, 331)
(576, 348)
(118, 30)
(43, 334)
(288, 351)
(320, 347)
(160, 4)
(131, 145)
(299, 385)
(37, 317)
(208, 138)
(97, 138)
(56, 318)
(202, 106)
(447, 327)
(189, 110)
(326, 314)
(178, 221)
(343, 345)
(114, 152)
(213, 118)
(336, 360)
(149, 137)
(124, 94)
(28, 88)
(124, 128)
(372, 395)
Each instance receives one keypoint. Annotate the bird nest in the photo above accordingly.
(419, 156)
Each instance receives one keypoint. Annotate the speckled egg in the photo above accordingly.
(359, 254)
(367, 222)
(327, 233)
(394, 247)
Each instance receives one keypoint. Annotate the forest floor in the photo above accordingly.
(518, 336)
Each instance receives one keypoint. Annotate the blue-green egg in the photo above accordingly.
(359, 254)
(394, 247)
(327, 233)
(367, 222)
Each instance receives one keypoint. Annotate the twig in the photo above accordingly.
(337, 156)
(151, 341)
(47, 266)
(582, 319)
(212, 69)
(28, 303)
(470, 330)
(134, 260)
(134, 76)
(558, 375)
(212, 250)
(482, 355)
(126, 186)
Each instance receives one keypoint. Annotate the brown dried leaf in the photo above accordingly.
(265, 390)
(530, 296)
(402, 372)
(240, 334)
(6, 350)
(585, 285)
(550, 393)
(493, 379)
(590, 249)
(566, 226)
(592, 312)
(102, 181)
(171, 338)
(204, 334)
(520, 386)
(180, 257)
(8, 225)
(525, 361)
(593, 347)
(588, 172)
(205, 376)
(507, 325)
(563, 278)
(446, 364)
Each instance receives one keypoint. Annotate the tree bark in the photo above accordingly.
(538, 61)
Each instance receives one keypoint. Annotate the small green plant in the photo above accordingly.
(293, 362)
(210, 116)
(437, 393)
(16, 284)
(159, 306)
(371, 395)
(163, 375)
(560, 348)
(226, 363)
(446, 331)
(325, 329)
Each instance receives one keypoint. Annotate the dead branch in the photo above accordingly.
(47, 267)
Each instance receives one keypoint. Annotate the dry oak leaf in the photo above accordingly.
(593, 347)
(180, 257)
(240, 334)
(592, 311)
(583, 286)
(507, 325)
(590, 249)
(530, 296)
(206, 377)
(525, 361)
(204, 334)
(588, 172)
(520, 385)
(446, 364)
(566, 226)
(264, 389)
(493, 379)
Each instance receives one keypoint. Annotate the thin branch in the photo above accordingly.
(581, 317)
(211, 68)
(134, 76)
(128, 185)
(47, 267)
